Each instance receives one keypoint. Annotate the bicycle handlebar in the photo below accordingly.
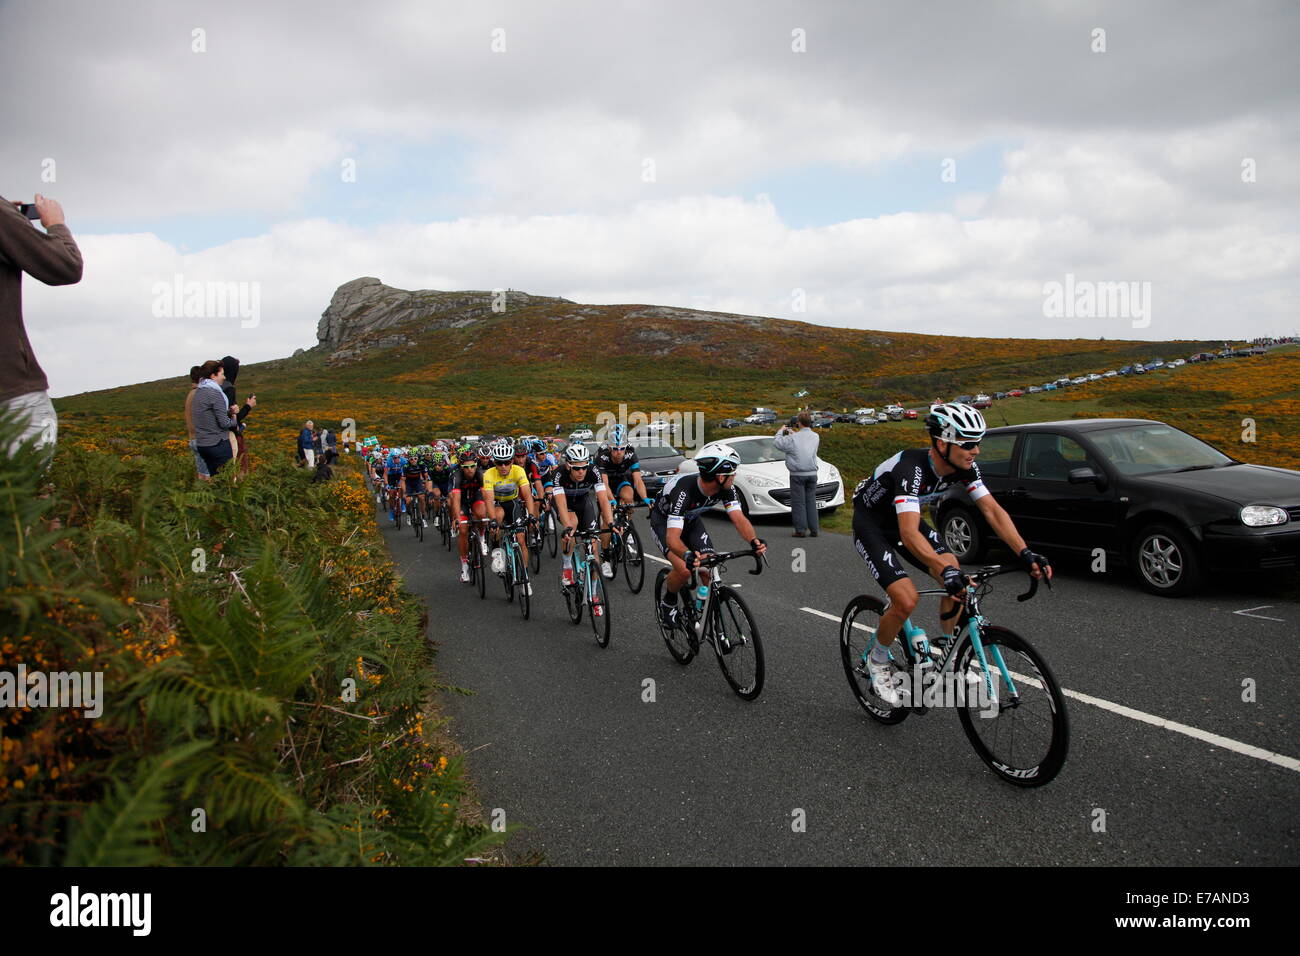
(709, 559)
(977, 578)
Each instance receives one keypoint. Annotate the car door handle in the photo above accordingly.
(1018, 493)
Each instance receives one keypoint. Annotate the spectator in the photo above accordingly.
(800, 447)
(231, 365)
(196, 374)
(329, 443)
(52, 257)
(212, 418)
(305, 450)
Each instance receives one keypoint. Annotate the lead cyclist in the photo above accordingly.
(887, 521)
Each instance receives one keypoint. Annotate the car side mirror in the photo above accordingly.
(1082, 476)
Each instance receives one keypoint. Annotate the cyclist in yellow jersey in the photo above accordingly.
(504, 487)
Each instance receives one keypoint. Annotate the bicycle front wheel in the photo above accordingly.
(1024, 738)
(521, 588)
(858, 626)
(476, 566)
(740, 650)
(572, 596)
(598, 609)
(633, 561)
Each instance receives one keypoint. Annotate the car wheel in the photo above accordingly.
(1165, 560)
(963, 536)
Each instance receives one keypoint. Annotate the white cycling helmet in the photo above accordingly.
(504, 450)
(717, 459)
(955, 422)
(577, 454)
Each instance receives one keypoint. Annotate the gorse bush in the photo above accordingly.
(265, 674)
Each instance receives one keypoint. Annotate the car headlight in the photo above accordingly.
(1260, 516)
(758, 481)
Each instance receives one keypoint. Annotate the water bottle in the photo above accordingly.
(701, 595)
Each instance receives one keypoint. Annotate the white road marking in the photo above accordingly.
(1215, 740)
(1261, 617)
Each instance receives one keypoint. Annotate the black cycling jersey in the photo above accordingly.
(414, 468)
(682, 500)
(578, 487)
(907, 481)
(469, 487)
(619, 471)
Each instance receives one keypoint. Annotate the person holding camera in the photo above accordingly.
(800, 444)
(53, 257)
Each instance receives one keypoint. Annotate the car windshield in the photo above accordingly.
(758, 451)
(1144, 449)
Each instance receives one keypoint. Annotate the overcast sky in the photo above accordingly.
(902, 165)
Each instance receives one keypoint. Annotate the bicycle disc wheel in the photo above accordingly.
(858, 626)
(741, 659)
(1024, 740)
(679, 643)
(600, 623)
(633, 561)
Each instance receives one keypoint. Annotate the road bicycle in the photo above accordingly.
(550, 525)
(514, 575)
(588, 587)
(1018, 725)
(417, 515)
(625, 547)
(396, 506)
(720, 618)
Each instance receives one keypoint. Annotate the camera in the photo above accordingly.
(28, 209)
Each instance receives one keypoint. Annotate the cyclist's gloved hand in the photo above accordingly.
(1030, 559)
(759, 545)
(690, 559)
(647, 502)
(493, 524)
(953, 581)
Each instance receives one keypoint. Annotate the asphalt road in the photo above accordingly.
(558, 735)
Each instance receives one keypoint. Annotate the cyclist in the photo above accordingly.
(887, 522)
(504, 486)
(524, 461)
(415, 475)
(677, 525)
(394, 471)
(579, 493)
(618, 463)
(466, 494)
(438, 483)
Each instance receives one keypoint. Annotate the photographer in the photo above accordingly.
(800, 446)
(53, 257)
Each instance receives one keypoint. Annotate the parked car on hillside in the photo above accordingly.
(730, 423)
(582, 434)
(982, 401)
(1050, 387)
(1035, 389)
(1155, 498)
(864, 411)
(866, 420)
(763, 482)
(999, 396)
(964, 399)
(910, 414)
(847, 418)
(1109, 374)
(765, 417)
(895, 412)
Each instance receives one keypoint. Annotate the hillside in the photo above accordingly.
(412, 365)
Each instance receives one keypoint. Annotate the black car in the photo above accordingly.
(730, 423)
(846, 418)
(1153, 497)
(659, 462)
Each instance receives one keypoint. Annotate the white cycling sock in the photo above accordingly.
(880, 653)
(567, 562)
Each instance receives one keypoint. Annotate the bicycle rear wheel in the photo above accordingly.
(678, 640)
(741, 649)
(598, 609)
(534, 537)
(417, 519)
(633, 561)
(1025, 739)
(858, 626)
